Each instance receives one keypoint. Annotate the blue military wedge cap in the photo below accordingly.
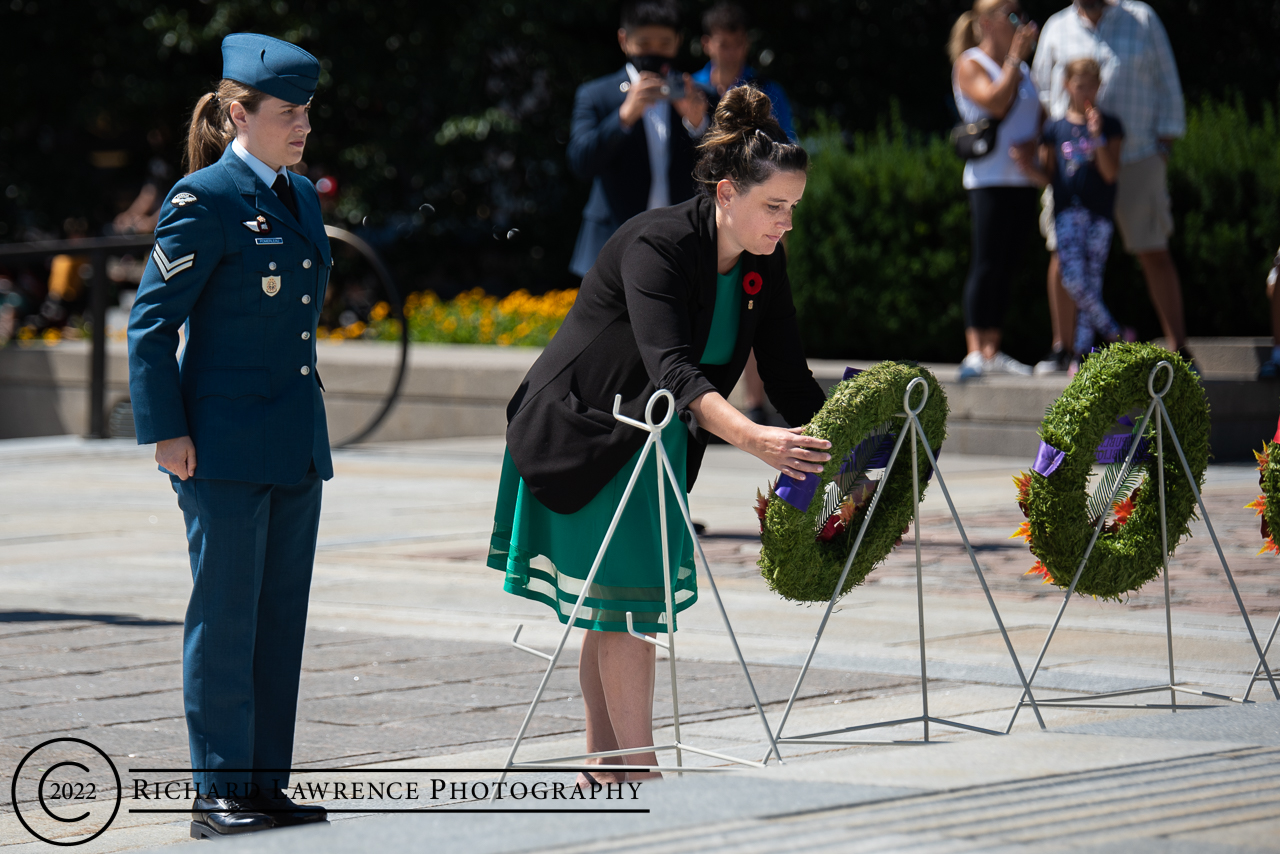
(278, 68)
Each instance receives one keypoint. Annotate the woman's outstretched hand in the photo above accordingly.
(788, 451)
(784, 449)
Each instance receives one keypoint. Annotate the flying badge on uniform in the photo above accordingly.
(271, 285)
(183, 199)
(258, 225)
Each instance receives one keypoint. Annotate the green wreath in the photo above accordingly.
(1268, 503)
(1061, 516)
(803, 551)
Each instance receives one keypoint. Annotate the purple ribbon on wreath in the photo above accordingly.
(799, 493)
(1113, 449)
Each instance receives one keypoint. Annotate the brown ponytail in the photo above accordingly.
(211, 128)
(745, 144)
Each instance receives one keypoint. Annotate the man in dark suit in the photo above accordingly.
(633, 132)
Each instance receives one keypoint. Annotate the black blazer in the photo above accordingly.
(641, 320)
(616, 161)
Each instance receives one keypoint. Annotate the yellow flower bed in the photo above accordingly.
(473, 317)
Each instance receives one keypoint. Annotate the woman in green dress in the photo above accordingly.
(677, 299)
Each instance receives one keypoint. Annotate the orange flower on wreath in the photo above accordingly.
(1040, 569)
(1123, 510)
(1260, 503)
(1022, 480)
(1269, 541)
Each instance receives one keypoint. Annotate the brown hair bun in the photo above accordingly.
(745, 144)
(745, 109)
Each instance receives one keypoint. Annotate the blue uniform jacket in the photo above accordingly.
(616, 161)
(248, 280)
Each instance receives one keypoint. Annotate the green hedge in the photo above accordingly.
(1224, 178)
(880, 249)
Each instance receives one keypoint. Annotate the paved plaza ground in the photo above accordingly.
(409, 672)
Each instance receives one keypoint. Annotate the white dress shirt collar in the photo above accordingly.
(259, 168)
(1086, 21)
(657, 134)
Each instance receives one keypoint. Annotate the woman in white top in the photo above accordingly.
(989, 47)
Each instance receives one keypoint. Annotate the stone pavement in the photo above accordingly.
(409, 674)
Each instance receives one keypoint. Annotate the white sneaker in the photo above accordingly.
(1005, 364)
(1056, 362)
(972, 366)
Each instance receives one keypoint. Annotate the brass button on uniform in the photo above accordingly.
(271, 266)
(305, 370)
(306, 264)
(306, 336)
(306, 299)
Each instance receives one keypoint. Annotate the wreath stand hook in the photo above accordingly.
(1163, 422)
(653, 444)
(915, 430)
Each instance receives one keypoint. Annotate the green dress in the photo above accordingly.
(547, 555)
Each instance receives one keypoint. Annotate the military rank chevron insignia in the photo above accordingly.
(168, 269)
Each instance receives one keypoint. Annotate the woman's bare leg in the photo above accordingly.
(626, 675)
(985, 341)
(1062, 309)
(600, 735)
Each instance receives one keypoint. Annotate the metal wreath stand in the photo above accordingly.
(914, 430)
(652, 444)
(1090, 701)
(1257, 671)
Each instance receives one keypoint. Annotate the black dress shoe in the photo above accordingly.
(289, 814)
(216, 818)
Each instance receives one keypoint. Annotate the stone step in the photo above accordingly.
(1228, 358)
(462, 390)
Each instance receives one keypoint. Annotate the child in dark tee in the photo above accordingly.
(1080, 157)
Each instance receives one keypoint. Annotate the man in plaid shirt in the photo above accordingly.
(1140, 87)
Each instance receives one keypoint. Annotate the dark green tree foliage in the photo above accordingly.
(465, 106)
(461, 106)
(880, 249)
(1225, 184)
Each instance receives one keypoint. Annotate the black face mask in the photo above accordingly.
(651, 62)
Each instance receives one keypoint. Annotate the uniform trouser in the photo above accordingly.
(252, 546)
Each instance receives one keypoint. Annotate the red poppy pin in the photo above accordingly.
(751, 283)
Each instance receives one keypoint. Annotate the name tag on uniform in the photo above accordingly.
(271, 285)
(269, 241)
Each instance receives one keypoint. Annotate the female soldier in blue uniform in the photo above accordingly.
(241, 259)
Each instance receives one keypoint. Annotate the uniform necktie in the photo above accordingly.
(285, 192)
